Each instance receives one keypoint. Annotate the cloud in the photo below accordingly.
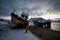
(5, 7)
(55, 9)
(36, 7)
(56, 4)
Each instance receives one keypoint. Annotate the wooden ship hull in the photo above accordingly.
(17, 21)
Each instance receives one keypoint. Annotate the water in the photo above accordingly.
(15, 34)
(55, 26)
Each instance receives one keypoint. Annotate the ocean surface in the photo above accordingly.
(55, 26)
(6, 33)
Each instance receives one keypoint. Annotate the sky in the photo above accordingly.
(47, 9)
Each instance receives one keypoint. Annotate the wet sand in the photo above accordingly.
(45, 34)
(6, 33)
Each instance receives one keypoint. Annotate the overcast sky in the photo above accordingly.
(38, 8)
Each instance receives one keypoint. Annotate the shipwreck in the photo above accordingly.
(17, 21)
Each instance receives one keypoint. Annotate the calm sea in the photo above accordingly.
(55, 26)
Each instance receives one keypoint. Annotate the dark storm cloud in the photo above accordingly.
(5, 7)
(51, 6)
(36, 7)
(56, 5)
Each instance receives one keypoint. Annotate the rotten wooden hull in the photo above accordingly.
(18, 21)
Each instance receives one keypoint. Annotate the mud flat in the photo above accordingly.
(44, 33)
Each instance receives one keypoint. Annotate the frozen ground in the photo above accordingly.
(15, 34)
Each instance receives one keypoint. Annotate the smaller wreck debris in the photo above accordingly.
(17, 21)
(40, 22)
